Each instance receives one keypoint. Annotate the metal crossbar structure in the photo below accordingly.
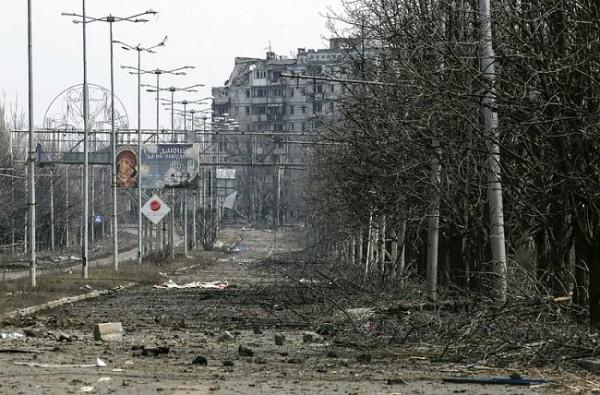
(257, 163)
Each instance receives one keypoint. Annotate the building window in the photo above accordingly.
(260, 92)
(247, 92)
(292, 92)
(247, 110)
(259, 110)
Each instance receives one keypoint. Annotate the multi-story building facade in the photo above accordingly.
(264, 120)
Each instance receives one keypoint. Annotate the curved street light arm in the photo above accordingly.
(110, 18)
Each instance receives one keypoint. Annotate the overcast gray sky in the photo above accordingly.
(207, 34)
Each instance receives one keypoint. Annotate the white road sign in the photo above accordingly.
(155, 209)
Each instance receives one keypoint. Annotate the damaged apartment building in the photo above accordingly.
(264, 120)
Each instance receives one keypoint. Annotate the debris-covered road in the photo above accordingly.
(235, 325)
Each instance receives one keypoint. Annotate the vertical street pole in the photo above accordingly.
(184, 204)
(31, 159)
(113, 148)
(84, 244)
(139, 172)
(494, 190)
(157, 104)
(52, 238)
(172, 231)
(194, 193)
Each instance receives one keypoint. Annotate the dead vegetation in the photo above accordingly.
(398, 321)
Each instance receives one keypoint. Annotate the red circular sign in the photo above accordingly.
(155, 205)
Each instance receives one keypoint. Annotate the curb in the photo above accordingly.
(60, 302)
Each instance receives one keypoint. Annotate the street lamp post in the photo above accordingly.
(113, 137)
(139, 50)
(31, 154)
(158, 73)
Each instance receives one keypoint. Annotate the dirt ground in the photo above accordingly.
(276, 328)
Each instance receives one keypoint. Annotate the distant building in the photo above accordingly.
(266, 118)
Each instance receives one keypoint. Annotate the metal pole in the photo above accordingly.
(52, 209)
(194, 193)
(84, 244)
(157, 104)
(172, 232)
(185, 217)
(194, 209)
(139, 172)
(31, 159)
(113, 144)
(67, 220)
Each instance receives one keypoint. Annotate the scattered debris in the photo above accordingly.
(245, 351)
(279, 339)
(592, 365)
(207, 285)
(35, 331)
(225, 337)
(151, 352)
(11, 336)
(312, 337)
(364, 358)
(395, 381)
(493, 380)
(54, 365)
(110, 331)
(200, 360)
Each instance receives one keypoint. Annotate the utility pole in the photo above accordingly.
(31, 158)
(490, 119)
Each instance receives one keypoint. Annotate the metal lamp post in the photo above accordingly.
(139, 50)
(158, 73)
(31, 154)
(84, 241)
(113, 137)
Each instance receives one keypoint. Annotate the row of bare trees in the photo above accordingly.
(418, 114)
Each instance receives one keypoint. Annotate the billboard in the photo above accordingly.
(127, 167)
(169, 165)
